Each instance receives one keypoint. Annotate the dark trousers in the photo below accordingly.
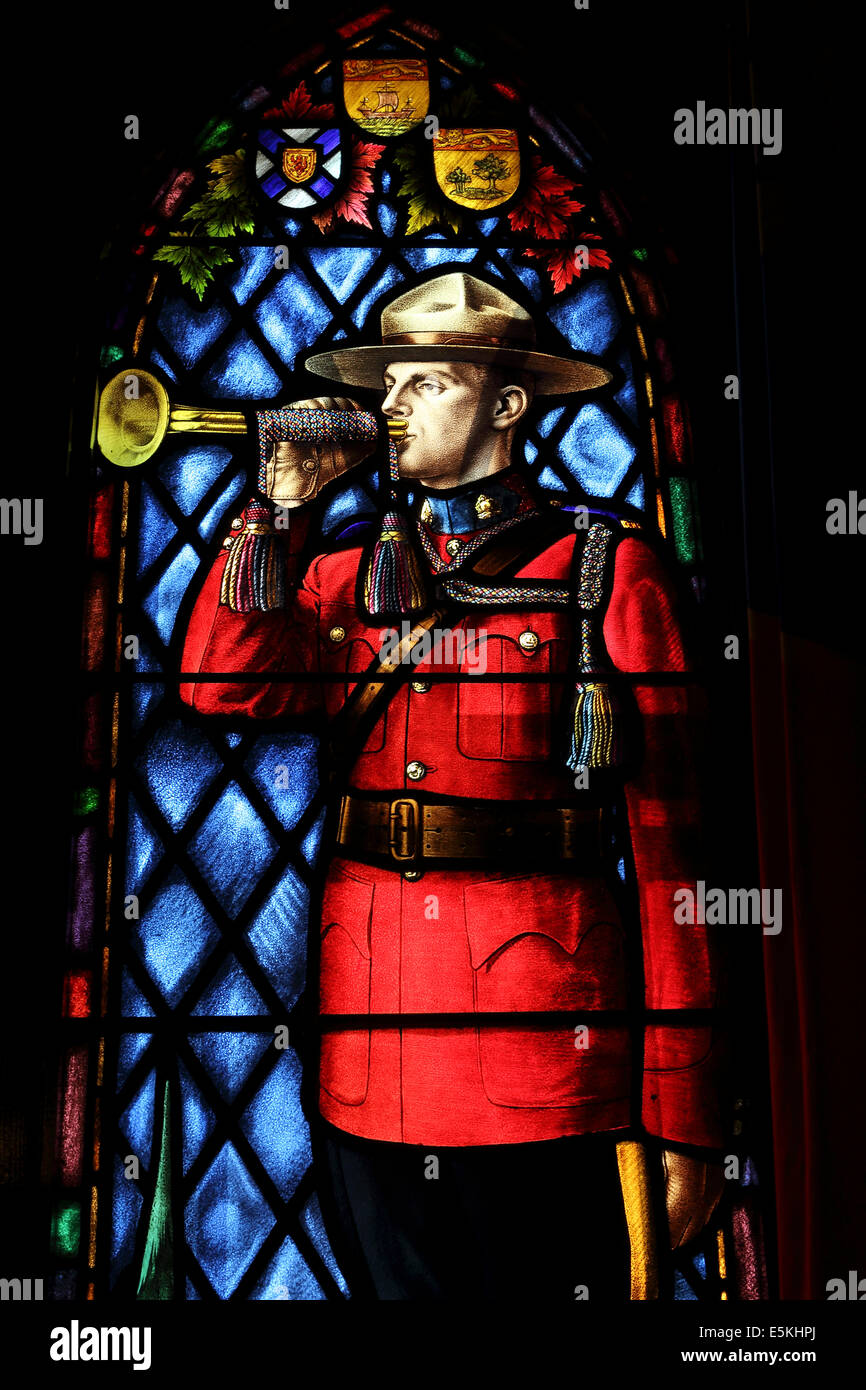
(539, 1221)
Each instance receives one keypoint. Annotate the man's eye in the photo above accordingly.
(431, 386)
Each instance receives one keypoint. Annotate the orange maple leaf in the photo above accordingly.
(352, 202)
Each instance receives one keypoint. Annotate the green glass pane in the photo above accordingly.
(215, 136)
(85, 801)
(682, 513)
(66, 1229)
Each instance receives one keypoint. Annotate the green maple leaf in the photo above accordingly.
(195, 264)
(232, 180)
(427, 206)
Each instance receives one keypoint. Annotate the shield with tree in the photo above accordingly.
(491, 168)
(459, 178)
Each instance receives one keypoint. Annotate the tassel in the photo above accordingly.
(394, 582)
(254, 576)
(596, 719)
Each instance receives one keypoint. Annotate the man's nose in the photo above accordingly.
(392, 405)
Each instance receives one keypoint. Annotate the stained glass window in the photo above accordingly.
(184, 1161)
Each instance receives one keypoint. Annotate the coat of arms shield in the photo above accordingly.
(299, 163)
(477, 168)
(386, 96)
(298, 167)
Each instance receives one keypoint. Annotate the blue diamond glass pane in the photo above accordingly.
(145, 696)
(255, 264)
(230, 1057)
(292, 316)
(232, 848)
(226, 1221)
(275, 1125)
(137, 1120)
(163, 601)
(198, 1118)
(174, 936)
(596, 451)
(589, 319)
(241, 371)
(132, 1002)
(177, 765)
(546, 424)
(230, 994)
(284, 770)
(635, 495)
(131, 1047)
(311, 1220)
(343, 267)
(189, 330)
(157, 360)
(155, 529)
(288, 1277)
(547, 478)
(212, 518)
(126, 1212)
(278, 935)
(190, 470)
(143, 849)
(386, 282)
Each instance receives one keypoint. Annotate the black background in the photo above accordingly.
(71, 178)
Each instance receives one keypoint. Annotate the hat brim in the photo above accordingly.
(364, 366)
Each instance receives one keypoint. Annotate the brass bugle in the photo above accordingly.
(134, 415)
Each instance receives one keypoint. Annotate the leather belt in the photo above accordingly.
(407, 832)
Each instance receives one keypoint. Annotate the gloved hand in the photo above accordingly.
(298, 470)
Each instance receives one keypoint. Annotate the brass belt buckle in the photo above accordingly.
(404, 819)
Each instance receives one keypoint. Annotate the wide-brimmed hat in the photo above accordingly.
(458, 318)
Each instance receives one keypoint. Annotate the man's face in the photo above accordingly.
(449, 408)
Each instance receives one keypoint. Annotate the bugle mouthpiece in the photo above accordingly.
(397, 429)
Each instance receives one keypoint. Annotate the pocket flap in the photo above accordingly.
(348, 903)
(551, 905)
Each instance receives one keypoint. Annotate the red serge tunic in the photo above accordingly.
(483, 940)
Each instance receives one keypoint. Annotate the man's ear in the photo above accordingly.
(512, 402)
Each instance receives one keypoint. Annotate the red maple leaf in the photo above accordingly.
(546, 204)
(299, 103)
(352, 202)
(566, 265)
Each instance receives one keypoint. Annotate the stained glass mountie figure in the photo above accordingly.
(183, 1157)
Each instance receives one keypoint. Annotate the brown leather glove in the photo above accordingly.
(297, 472)
(692, 1192)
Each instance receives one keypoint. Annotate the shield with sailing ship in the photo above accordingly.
(386, 96)
(298, 167)
(477, 168)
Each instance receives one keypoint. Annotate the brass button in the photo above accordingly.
(453, 545)
(421, 687)
(309, 465)
(412, 875)
(237, 523)
(337, 633)
(528, 641)
(415, 771)
(228, 542)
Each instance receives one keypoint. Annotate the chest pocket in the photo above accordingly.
(513, 719)
(348, 645)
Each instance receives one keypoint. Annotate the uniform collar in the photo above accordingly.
(474, 506)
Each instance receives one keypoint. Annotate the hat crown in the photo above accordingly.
(461, 304)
